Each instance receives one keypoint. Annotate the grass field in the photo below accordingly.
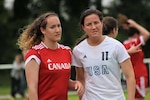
(72, 96)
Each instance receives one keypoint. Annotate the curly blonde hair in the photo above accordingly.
(31, 34)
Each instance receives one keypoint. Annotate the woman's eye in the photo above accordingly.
(96, 22)
(88, 24)
(52, 27)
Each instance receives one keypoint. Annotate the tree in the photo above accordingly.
(4, 36)
(69, 12)
(11, 21)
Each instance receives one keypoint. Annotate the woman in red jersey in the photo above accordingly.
(137, 35)
(47, 63)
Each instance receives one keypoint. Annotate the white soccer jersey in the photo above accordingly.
(102, 69)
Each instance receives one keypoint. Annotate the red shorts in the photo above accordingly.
(141, 86)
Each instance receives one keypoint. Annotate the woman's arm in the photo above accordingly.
(143, 32)
(32, 71)
(80, 77)
(130, 78)
(78, 84)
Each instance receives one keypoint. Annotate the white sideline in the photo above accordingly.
(5, 66)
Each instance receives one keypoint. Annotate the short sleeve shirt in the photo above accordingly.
(102, 69)
(54, 70)
(137, 59)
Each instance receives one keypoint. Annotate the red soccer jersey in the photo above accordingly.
(137, 58)
(54, 72)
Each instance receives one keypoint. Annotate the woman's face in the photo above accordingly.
(53, 30)
(18, 59)
(92, 26)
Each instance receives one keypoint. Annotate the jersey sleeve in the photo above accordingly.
(122, 53)
(142, 40)
(32, 54)
(76, 58)
(135, 41)
(139, 40)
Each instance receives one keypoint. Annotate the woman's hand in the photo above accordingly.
(134, 49)
(80, 88)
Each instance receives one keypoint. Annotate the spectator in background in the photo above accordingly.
(17, 75)
(137, 35)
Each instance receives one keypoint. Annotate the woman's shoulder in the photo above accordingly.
(82, 43)
(113, 41)
(81, 47)
(62, 46)
(38, 46)
(34, 50)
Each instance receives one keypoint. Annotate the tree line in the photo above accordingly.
(25, 11)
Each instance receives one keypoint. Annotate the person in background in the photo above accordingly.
(16, 76)
(23, 79)
(110, 28)
(23, 84)
(137, 34)
(98, 59)
(47, 62)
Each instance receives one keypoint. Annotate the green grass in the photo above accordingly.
(5, 87)
(75, 97)
(147, 96)
(72, 97)
(6, 90)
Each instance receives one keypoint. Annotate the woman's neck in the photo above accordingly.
(111, 35)
(51, 44)
(95, 41)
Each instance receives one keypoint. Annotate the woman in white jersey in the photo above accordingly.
(98, 59)
(47, 62)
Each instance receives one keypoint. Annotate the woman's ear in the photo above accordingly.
(82, 27)
(114, 30)
(42, 30)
